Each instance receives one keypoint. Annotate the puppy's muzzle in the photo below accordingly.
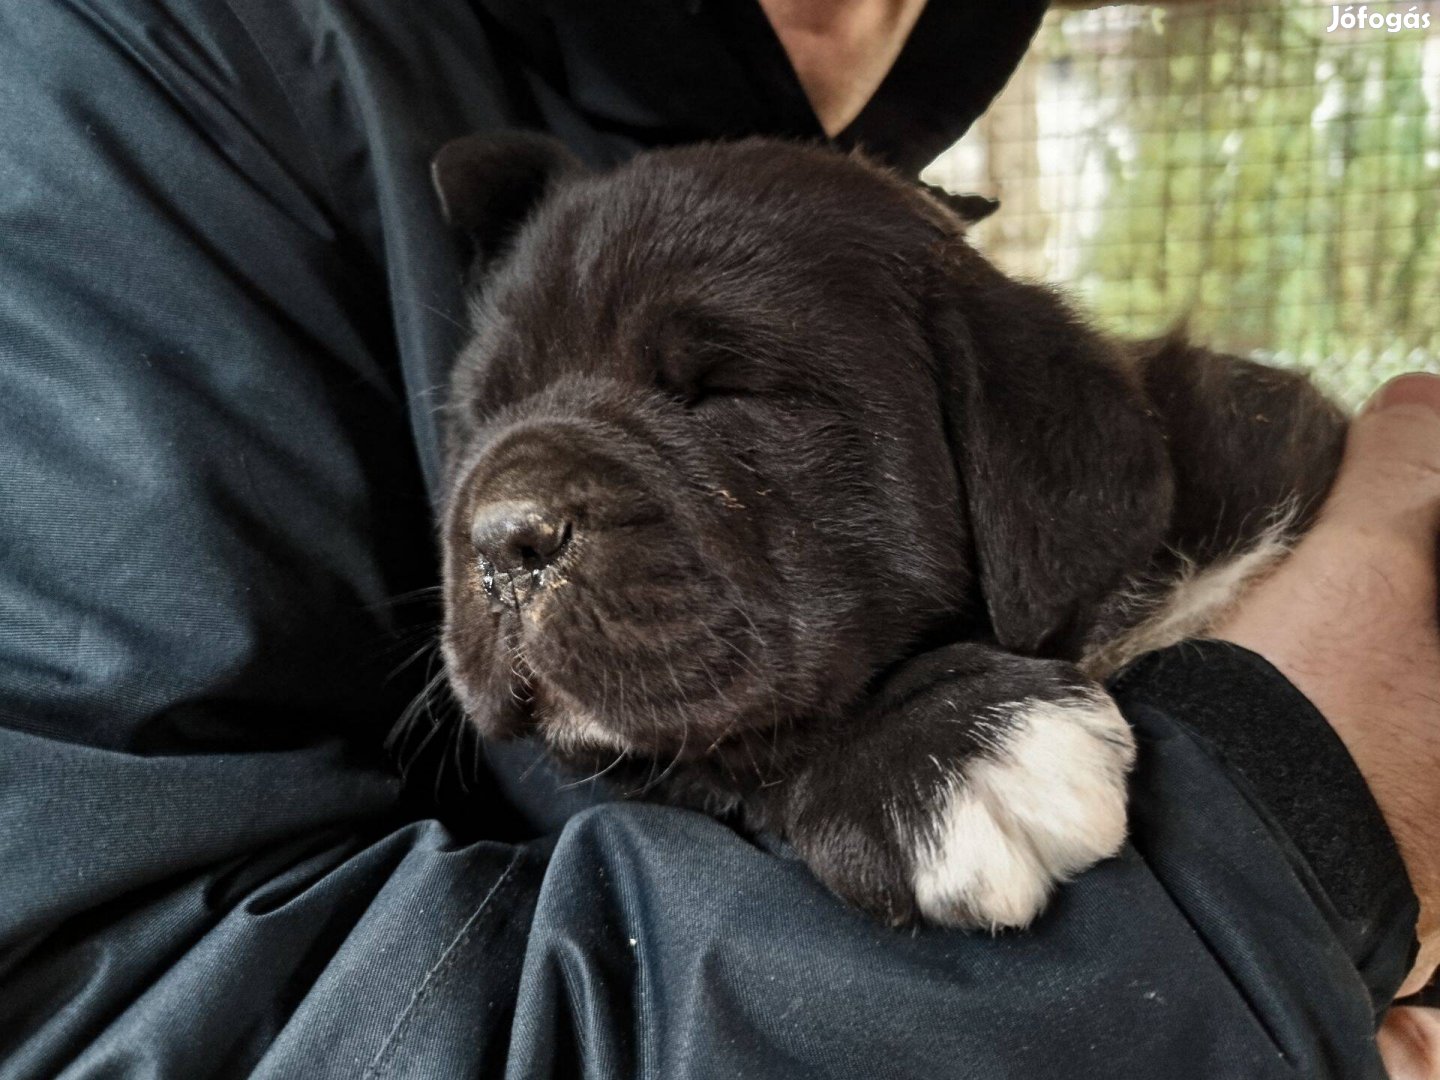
(516, 542)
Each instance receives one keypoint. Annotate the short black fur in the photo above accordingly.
(833, 489)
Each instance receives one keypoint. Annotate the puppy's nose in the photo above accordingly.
(515, 536)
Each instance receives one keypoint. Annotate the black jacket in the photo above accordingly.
(226, 310)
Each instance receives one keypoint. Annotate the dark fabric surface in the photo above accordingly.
(1297, 773)
(226, 310)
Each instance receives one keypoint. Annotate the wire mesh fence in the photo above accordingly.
(1237, 165)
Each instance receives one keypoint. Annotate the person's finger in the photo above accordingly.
(1389, 490)
(1390, 477)
(1427, 961)
(1409, 1041)
(1390, 487)
(1361, 586)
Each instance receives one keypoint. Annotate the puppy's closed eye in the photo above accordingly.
(694, 357)
(695, 373)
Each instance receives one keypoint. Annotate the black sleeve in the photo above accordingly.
(209, 497)
(1299, 777)
(1234, 936)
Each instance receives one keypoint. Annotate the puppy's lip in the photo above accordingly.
(500, 721)
(566, 724)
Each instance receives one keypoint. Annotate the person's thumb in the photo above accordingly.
(1390, 479)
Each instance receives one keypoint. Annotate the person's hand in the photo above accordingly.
(1351, 619)
(1410, 1043)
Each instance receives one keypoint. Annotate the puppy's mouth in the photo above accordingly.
(600, 616)
(586, 671)
(567, 726)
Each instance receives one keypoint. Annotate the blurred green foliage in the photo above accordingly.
(1275, 185)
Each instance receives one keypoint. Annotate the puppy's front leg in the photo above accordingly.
(970, 786)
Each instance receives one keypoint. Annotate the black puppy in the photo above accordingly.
(768, 493)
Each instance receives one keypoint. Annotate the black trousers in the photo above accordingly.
(226, 311)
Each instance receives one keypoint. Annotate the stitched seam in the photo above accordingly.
(434, 978)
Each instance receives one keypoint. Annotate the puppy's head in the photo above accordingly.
(724, 445)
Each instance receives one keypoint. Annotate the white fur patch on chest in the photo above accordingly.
(1010, 826)
(1196, 600)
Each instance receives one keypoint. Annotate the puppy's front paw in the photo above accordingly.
(1044, 801)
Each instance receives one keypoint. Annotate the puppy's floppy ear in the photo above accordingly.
(489, 184)
(1065, 469)
(969, 207)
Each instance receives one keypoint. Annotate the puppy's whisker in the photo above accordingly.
(397, 743)
(457, 746)
(429, 592)
(595, 775)
(656, 781)
(445, 315)
(425, 651)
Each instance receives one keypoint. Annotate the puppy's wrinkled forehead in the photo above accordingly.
(793, 260)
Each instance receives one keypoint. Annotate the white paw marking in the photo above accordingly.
(1048, 805)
